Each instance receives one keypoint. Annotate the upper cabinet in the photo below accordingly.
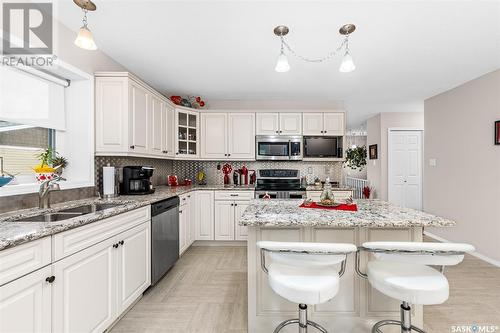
(229, 136)
(324, 123)
(131, 119)
(279, 123)
(187, 125)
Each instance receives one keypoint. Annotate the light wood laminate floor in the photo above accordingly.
(206, 292)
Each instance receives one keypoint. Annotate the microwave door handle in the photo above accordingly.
(289, 149)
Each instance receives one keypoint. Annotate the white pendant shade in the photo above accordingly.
(347, 64)
(282, 64)
(85, 40)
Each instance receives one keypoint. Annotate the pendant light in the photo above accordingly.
(85, 39)
(346, 66)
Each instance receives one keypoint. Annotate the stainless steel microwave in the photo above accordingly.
(278, 148)
(323, 146)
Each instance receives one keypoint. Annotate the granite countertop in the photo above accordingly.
(334, 188)
(370, 214)
(13, 233)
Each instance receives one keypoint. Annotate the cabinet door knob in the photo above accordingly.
(228, 154)
(115, 245)
(324, 131)
(50, 279)
(121, 242)
(132, 147)
(236, 204)
(180, 212)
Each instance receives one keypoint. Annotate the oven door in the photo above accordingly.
(272, 148)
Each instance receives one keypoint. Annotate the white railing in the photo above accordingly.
(357, 185)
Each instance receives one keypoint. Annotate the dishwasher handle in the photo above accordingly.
(162, 206)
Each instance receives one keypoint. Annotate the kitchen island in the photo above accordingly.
(357, 306)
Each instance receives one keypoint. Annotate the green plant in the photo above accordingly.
(356, 158)
(47, 156)
(59, 161)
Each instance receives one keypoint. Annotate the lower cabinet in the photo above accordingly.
(204, 218)
(227, 215)
(187, 221)
(25, 303)
(94, 286)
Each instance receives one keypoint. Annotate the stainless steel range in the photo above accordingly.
(279, 184)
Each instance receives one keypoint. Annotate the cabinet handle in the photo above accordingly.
(324, 131)
(228, 154)
(115, 245)
(50, 279)
(225, 154)
(189, 196)
(132, 147)
(234, 195)
(180, 212)
(281, 131)
(121, 242)
(277, 131)
(235, 204)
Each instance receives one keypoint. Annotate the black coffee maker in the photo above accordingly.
(136, 180)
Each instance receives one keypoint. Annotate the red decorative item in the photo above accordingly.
(226, 170)
(172, 180)
(188, 182)
(244, 172)
(366, 192)
(351, 208)
(176, 99)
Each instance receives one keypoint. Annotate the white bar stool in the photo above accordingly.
(401, 271)
(304, 273)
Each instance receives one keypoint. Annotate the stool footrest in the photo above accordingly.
(376, 327)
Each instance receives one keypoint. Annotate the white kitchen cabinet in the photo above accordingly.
(25, 303)
(157, 125)
(192, 218)
(241, 136)
(183, 229)
(187, 220)
(240, 232)
(279, 123)
(204, 222)
(187, 128)
(323, 123)
(224, 220)
(133, 265)
(267, 124)
(290, 123)
(84, 290)
(229, 136)
(131, 118)
(214, 136)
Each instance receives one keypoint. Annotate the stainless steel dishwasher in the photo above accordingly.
(164, 237)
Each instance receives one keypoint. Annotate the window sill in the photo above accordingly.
(10, 190)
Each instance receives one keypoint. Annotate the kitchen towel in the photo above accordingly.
(351, 207)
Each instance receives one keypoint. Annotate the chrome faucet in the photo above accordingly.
(45, 188)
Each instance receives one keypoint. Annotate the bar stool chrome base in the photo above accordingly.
(302, 321)
(404, 323)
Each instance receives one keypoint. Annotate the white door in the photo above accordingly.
(169, 131)
(83, 294)
(405, 168)
(25, 303)
(134, 264)
(183, 214)
(214, 135)
(267, 124)
(241, 136)
(157, 128)
(204, 224)
(333, 123)
(224, 220)
(240, 232)
(192, 218)
(312, 123)
(140, 118)
(290, 124)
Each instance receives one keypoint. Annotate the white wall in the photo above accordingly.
(465, 184)
(377, 129)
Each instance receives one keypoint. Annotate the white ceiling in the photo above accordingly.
(405, 51)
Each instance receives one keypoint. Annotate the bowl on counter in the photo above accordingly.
(4, 180)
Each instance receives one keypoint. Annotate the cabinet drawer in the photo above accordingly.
(234, 195)
(77, 239)
(23, 259)
(184, 198)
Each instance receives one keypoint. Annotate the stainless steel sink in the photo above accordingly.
(50, 217)
(91, 208)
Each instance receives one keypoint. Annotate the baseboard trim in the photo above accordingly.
(475, 254)
(219, 243)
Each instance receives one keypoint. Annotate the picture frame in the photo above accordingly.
(497, 132)
(373, 152)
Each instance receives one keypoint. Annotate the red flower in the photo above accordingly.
(202, 104)
(198, 99)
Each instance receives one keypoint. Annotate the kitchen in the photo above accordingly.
(132, 204)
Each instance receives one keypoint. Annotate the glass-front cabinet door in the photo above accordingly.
(187, 126)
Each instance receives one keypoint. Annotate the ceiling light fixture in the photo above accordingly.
(346, 66)
(85, 39)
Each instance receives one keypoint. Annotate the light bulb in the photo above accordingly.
(282, 64)
(85, 40)
(347, 64)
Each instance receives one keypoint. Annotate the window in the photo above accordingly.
(20, 146)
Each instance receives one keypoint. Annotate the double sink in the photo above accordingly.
(69, 213)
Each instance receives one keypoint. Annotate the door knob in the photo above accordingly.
(50, 279)
(121, 242)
